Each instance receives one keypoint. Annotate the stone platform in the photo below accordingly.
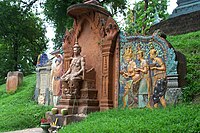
(65, 119)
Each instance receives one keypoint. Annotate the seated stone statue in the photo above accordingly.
(75, 73)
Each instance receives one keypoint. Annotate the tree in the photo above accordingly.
(55, 11)
(22, 38)
(142, 16)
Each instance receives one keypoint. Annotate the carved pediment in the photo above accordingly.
(111, 29)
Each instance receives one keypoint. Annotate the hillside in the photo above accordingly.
(18, 110)
(183, 118)
(189, 45)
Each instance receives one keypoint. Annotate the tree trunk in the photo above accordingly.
(15, 56)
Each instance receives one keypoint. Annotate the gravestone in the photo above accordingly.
(14, 79)
(129, 91)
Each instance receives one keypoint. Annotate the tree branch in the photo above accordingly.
(28, 5)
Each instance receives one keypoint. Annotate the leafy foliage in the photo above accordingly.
(22, 38)
(189, 45)
(142, 16)
(183, 118)
(18, 110)
(55, 11)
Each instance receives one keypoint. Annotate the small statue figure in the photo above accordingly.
(56, 74)
(75, 73)
(159, 79)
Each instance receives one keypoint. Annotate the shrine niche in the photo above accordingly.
(96, 32)
(148, 72)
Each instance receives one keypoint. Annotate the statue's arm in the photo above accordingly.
(162, 65)
(144, 69)
(68, 72)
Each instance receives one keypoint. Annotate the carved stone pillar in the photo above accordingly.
(108, 49)
(106, 93)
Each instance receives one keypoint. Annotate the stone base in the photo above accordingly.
(75, 106)
(106, 104)
(65, 119)
(172, 95)
(173, 91)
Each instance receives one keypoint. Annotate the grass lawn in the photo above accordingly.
(182, 119)
(18, 110)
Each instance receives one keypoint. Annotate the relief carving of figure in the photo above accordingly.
(130, 74)
(159, 79)
(144, 82)
(75, 73)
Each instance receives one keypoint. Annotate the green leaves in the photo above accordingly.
(55, 11)
(22, 36)
(143, 15)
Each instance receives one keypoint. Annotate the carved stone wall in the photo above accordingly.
(129, 46)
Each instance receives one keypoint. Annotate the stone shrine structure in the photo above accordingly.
(185, 7)
(97, 35)
(14, 79)
(184, 19)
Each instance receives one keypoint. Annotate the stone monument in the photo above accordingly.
(43, 73)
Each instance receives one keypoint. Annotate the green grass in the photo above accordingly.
(189, 45)
(18, 110)
(182, 119)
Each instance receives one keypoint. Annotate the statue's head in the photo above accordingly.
(77, 48)
(140, 54)
(153, 53)
(57, 61)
